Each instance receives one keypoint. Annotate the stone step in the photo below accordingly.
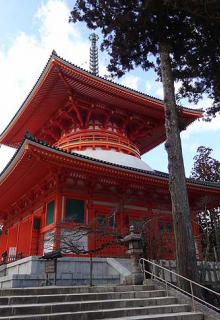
(33, 299)
(72, 289)
(177, 311)
(171, 316)
(92, 303)
(82, 306)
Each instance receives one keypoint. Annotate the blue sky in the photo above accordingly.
(31, 29)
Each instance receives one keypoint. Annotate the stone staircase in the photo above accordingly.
(89, 303)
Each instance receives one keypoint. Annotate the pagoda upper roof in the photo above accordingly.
(33, 159)
(61, 80)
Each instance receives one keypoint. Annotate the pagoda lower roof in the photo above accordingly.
(61, 80)
(31, 163)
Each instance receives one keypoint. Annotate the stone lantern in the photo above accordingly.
(134, 243)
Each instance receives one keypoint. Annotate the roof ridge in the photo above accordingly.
(199, 110)
(55, 55)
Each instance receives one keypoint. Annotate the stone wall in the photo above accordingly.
(30, 272)
(209, 272)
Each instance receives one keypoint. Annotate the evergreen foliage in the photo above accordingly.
(133, 29)
(208, 9)
(207, 168)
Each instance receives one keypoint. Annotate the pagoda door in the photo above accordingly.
(24, 239)
(35, 241)
(28, 238)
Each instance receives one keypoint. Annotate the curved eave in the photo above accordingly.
(192, 182)
(25, 112)
(50, 92)
(15, 179)
(25, 170)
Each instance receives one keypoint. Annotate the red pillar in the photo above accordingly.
(57, 217)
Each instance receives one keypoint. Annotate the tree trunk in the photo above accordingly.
(185, 245)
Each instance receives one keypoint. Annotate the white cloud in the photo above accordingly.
(5, 155)
(103, 72)
(177, 86)
(57, 33)
(130, 81)
(55, 26)
(154, 88)
(192, 147)
(159, 92)
(23, 62)
(149, 85)
(201, 126)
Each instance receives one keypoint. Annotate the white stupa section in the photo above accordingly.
(115, 157)
(108, 142)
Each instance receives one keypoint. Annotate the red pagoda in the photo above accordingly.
(82, 156)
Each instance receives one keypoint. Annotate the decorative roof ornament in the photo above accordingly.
(93, 61)
(28, 135)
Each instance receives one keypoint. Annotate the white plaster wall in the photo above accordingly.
(116, 158)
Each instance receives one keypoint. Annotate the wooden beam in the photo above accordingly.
(69, 89)
(88, 118)
(71, 117)
(78, 114)
(132, 135)
(108, 116)
(125, 122)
